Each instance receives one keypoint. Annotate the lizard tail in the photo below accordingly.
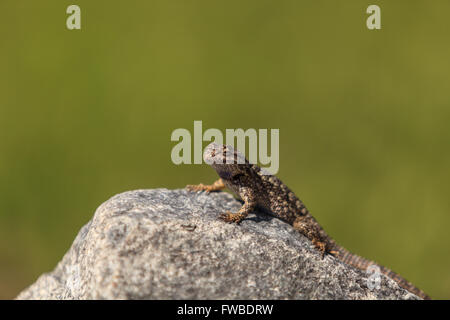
(362, 263)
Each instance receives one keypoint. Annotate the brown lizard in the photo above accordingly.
(257, 188)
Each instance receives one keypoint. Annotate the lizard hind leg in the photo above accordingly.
(309, 228)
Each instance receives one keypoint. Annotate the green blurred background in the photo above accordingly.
(363, 116)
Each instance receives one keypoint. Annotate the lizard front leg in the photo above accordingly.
(216, 186)
(248, 206)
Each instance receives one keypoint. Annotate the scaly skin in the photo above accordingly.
(259, 189)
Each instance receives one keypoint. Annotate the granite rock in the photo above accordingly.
(169, 244)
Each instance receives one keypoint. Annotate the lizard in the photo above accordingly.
(259, 189)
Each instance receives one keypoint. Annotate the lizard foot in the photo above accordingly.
(216, 186)
(334, 253)
(321, 246)
(199, 187)
(231, 217)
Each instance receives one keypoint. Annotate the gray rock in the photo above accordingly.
(169, 244)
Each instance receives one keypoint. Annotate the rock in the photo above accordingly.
(169, 244)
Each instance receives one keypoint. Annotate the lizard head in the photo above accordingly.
(230, 164)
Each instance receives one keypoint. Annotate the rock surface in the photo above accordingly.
(169, 244)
